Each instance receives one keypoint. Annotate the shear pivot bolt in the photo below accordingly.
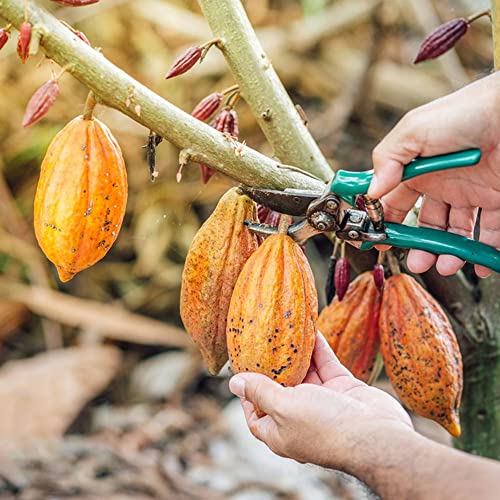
(354, 235)
(331, 205)
(320, 221)
(355, 217)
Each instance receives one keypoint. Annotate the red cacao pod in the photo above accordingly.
(81, 196)
(342, 277)
(4, 37)
(184, 62)
(23, 43)
(442, 39)
(40, 102)
(421, 354)
(351, 326)
(271, 324)
(207, 106)
(216, 256)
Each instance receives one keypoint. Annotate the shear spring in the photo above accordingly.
(375, 211)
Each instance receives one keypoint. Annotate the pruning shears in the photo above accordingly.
(338, 210)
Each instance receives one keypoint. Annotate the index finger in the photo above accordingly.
(327, 364)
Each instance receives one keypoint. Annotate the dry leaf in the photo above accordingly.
(12, 315)
(41, 396)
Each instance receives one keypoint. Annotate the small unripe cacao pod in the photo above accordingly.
(215, 258)
(341, 277)
(81, 196)
(421, 354)
(271, 325)
(351, 326)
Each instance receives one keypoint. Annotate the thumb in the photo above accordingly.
(403, 144)
(260, 390)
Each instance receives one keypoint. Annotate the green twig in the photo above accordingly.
(113, 87)
(262, 89)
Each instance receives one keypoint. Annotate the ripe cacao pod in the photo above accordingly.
(271, 325)
(215, 258)
(81, 196)
(421, 354)
(351, 326)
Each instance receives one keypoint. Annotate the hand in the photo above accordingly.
(465, 119)
(330, 419)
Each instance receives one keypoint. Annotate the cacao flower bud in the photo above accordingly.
(40, 102)
(330, 281)
(81, 35)
(442, 39)
(206, 172)
(75, 3)
(378, 276)
(23, 43)
(262, 212)
(207, 106)
(4, 37)
(342, 275)
(184, 62)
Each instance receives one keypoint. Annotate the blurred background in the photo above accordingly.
(101, 392)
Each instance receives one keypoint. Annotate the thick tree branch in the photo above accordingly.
(495, 18)
(112, 87)
(262, 89)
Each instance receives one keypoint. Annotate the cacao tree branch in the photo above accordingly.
(261, 87)
(113, 87)
(495, 28)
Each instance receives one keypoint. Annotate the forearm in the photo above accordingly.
(399, 463)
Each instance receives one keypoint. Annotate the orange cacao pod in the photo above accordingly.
(81, 196)
(421, 354)
(271, 325)
(216, 256)
(351, 326)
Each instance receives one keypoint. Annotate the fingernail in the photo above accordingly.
(237, 386)
(372, 190)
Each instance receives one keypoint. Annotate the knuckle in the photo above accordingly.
(411, 117)
(378, 154)
(254, 429)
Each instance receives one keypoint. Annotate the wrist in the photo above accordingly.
(383, 457)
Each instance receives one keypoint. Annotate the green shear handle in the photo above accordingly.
(439, 242)
(348, 185)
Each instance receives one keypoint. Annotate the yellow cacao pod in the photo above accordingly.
(271, 327)
(421, 354)
(215, 258)
(81, 196)
(351, 327)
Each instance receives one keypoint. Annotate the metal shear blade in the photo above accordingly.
(290, 201)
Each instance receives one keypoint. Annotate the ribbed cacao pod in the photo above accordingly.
(421, 354)
(216, 256)
(81, 196)
(351, 326)
(271, 325)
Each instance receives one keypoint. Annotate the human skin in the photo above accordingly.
(468, 118)
(336, 421)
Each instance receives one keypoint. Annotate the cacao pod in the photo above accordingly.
(351, 326)
(81, 196)
(421, 354)
(271, 325)
(215, 258)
